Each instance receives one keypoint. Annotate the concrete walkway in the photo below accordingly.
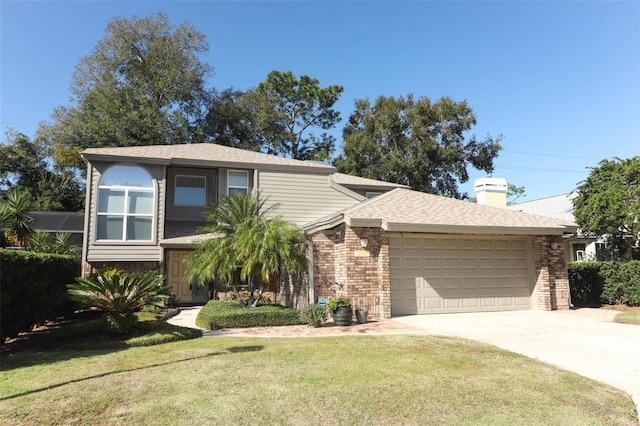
(585, 341)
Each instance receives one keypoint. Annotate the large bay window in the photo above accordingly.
(126, 197)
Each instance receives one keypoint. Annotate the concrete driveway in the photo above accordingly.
(585, 341)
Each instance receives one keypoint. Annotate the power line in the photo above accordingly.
(538, 169)
(551, 155)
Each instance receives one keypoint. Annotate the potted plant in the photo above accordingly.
(341, 312)
(361, 315)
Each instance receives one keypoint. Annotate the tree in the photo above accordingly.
(14, 216)
(608, 203)
(416, 143)
(26, 165)
(230, 121)
(143, 84)
(514, 192)
(246, 245)
(287, 109)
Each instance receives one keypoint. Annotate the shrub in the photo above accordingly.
(229, 314)
(585, 283)
(32, 289)
(119, 294)
(314, 315)
(621, 283)
(335, 302)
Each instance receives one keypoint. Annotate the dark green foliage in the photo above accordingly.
(608, 203)
(314, 315)
(585, 283)
(33, 288)
(119, 294)
(621, 283)
(227, 314)
(593, 283)
(415, 142)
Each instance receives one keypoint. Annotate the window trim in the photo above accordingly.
(175, 190)
(246, 188)
(125, 214)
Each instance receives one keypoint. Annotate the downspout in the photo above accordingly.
(312, 294)
(88, 214)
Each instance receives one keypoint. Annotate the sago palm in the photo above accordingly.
(14, 215)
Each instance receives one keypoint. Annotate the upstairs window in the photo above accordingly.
(126, 197)
(190, 191)
(371, 194)
(237, 182)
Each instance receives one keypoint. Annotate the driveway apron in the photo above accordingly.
(585, 341)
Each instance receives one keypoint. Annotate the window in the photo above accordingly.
(125, 204)
(237, 182)
(369, 194)
(578, 252)
(190, 191)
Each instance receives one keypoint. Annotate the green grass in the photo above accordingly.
(378, 380)
(629, 317)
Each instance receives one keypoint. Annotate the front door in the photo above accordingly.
(185, 292)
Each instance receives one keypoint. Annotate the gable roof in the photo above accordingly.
(404, 210)
(558, 206)
(360, 182)
(202, 154)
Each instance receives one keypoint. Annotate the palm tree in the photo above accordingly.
(245, 245)
(14, 215)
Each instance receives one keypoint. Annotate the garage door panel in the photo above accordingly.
(459, 274)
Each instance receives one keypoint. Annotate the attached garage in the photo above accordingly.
(406, 252)
(446, 274)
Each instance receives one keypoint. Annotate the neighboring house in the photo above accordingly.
(388, 248)
(60, 222)
(579, 246)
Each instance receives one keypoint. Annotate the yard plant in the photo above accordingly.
(119, 294)
(409, 380)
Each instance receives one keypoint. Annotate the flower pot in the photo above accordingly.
(342, 315)
(361, 316)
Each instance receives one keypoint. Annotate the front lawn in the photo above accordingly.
(631, 316)
(385, 380)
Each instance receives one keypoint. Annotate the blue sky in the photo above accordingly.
(559, 80)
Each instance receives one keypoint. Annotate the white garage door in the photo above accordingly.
(442, 274)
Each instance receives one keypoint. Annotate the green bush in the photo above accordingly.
(119, 294)
(33, 289)
(621, 283)
(585, 283)
(229, 314)
(595, 283)
(314, 315)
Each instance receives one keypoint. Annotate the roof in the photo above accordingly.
(558, 206)
(202, 154)
(404, 210)
(360, 182)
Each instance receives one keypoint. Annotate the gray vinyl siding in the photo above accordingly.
(302, 197)
(118, 251)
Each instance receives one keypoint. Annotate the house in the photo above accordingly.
(391, 249)
(580, 247)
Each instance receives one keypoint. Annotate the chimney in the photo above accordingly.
(491, 191)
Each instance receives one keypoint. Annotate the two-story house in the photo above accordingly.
(388, 248)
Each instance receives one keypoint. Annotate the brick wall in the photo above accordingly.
(343, 267)
(87, 268)
(551, 289)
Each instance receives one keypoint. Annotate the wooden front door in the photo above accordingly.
(176, 272)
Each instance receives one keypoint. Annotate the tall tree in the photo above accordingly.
(246, 245)
(143, 84)
(608, 204)
(286, 111)
(26, 165)
(416, 143)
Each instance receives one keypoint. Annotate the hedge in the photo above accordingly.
(33, 289)
(229, 314)
(595, 283)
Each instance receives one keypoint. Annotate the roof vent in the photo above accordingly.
(491, 191)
